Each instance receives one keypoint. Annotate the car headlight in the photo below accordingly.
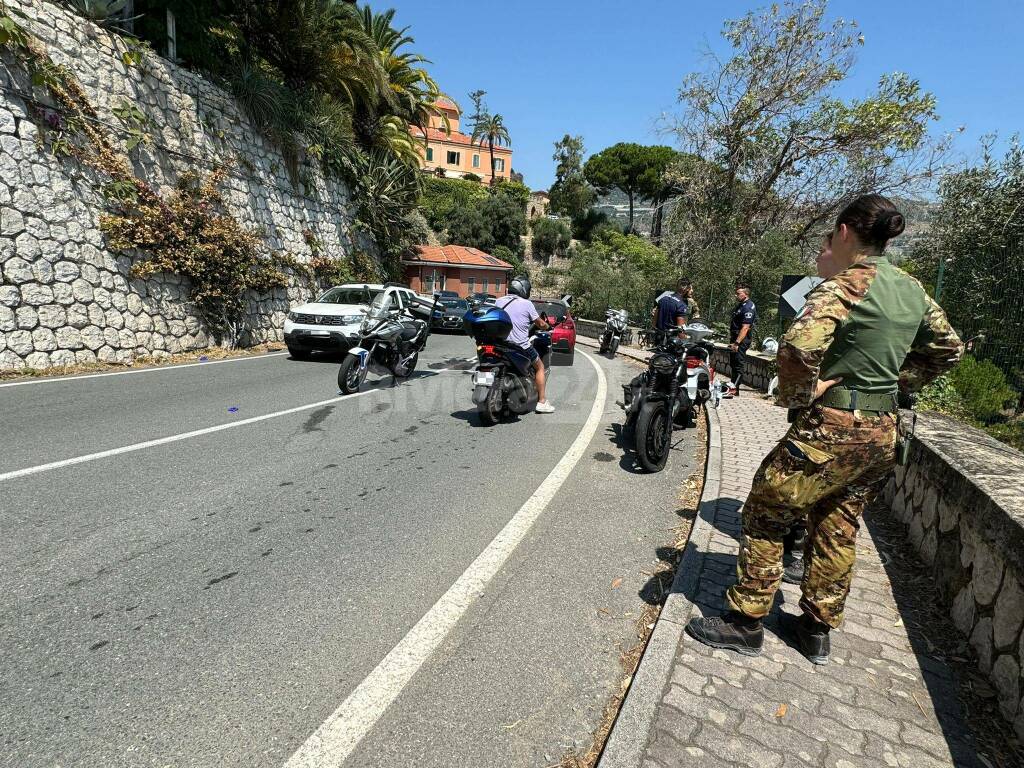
(349, 319)
(292, 316)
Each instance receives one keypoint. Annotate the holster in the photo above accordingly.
(905, 437)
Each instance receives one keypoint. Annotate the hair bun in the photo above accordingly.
(892, 224)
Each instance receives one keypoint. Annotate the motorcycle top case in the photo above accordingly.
(489, 325)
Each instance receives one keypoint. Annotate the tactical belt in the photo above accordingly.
(852, 400)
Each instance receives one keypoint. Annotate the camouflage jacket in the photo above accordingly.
(874, 326)
(692, 310)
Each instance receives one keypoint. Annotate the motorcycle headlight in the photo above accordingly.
(662, 363)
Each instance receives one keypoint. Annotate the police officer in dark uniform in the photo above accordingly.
(672, 310)
(743, 318)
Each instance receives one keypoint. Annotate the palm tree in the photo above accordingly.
(492, 128)
(314, 44)
(412, 93)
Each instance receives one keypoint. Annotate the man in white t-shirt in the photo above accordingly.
(524, 317)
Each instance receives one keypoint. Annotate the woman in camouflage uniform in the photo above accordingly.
(866, 331)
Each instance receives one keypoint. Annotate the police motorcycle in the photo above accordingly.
(679, 380)
(614, 325)
(503, 382)
(390, 341)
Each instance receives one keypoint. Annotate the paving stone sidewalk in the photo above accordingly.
(877, 704)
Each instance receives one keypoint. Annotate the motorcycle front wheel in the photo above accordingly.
(613, 346)
(351, 376)
(490, 408)
(604, 344)
(653, 435)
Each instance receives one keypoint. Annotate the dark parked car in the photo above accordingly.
(449, 312)
(476, 299)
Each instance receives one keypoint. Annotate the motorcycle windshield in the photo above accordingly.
(383, 305)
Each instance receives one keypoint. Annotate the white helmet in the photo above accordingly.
(770, 345)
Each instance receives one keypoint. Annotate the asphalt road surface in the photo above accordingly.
(227, 564)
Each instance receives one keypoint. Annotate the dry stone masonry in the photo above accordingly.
(961, 498)
(65, 297)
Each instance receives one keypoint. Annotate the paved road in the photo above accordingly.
(213, 600)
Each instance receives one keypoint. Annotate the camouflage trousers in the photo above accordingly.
(826, 471)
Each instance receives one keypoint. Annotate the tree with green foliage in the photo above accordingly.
(550, 238)
(783, 151)
(570, 195)
(441, 197)
(492, 129)
(467, 226)
(634, 169)
(977, 241)
(505, 215)
(509, 257)
(496, 219)
(618, 271)
(480, 110)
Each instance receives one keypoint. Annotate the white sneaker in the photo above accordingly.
(545, 407)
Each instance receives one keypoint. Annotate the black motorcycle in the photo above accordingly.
(661, 397)
(503, 382)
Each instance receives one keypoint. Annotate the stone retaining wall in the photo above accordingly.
(64, 296)
(961, 498)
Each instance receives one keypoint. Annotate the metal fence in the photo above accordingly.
(983, 296)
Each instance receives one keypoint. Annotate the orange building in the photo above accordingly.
(454, 154)
(456, 268)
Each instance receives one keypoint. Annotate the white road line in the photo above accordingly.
(172, 438)
(333, 742)
(154, 369)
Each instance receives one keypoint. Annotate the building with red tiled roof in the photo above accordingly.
(454, 154)
(465, 270)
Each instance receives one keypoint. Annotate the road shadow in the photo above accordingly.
(472, 417)
(335, 357)
(623, 438)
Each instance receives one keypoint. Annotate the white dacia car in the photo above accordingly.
(331, 323)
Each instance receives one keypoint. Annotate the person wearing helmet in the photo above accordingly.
(524, 318)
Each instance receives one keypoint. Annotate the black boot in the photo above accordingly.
(810, 636)
(793, 570)
(793, 554)
(733, 631)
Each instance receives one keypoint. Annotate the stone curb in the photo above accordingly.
(631, 732)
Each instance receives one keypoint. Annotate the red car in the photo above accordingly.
(563, 327)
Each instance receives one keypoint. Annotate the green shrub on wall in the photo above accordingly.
(441, 198)
(983, 388)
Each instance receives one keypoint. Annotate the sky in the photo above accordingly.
(609, 70)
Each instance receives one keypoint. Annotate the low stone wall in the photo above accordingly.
(65, 297)
(961, 497)
(758, 372)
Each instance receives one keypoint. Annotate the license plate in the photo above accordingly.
(319, 333)
(483, 378)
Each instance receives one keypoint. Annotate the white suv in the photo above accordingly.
(332, 322)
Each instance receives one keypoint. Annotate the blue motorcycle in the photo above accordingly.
(503, 383)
